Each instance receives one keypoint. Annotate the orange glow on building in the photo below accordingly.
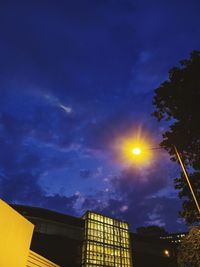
(16, 234)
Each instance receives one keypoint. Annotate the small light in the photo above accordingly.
(136, 151)
(166, 253)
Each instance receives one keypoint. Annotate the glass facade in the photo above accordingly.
(106, 242)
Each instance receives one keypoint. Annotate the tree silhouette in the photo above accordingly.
(177, 101)
(189, 251)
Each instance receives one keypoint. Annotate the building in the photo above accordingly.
(16, 235)
(106, 242)
(56, 236)
(94, 240)
(152, 252)
(174, 238)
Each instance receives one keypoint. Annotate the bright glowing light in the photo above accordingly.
(166, 253)
(133, 149)
(136, 151)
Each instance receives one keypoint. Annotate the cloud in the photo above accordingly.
(24, 188)
(134, 196)
(154, 217)
(54, 101)
(22, 162)
(65, 108)
(65, 61)
(136, 181)
(124, 208)
(85, 173)
(74, 77)
(161, 211)
(26, 153)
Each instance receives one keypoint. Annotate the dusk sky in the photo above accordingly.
(77, 79)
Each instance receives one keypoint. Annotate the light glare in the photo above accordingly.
(136, 151)
(133, 149)
(166, 253)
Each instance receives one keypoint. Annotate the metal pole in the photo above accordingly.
(187, 178)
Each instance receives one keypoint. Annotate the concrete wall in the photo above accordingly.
(35, 260)
(15, 237)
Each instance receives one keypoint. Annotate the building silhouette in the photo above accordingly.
(94, 240)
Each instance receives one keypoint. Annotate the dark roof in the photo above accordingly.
(146, 238)
(50, 215)
(175, 234)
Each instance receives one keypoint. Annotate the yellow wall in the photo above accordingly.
(15, 237)
(35, 260)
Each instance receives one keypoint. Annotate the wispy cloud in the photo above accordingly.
(52, 100)
(65, 108)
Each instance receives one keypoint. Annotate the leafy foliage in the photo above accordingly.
(177, 101)
(189, 250)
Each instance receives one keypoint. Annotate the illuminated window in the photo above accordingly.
(106, 242)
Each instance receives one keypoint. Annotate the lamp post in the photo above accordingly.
(137, 151)
(187, 178)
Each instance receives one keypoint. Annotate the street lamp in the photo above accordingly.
(187, 178)
(137, 151)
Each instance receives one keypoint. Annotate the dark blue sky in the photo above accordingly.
(75, 76)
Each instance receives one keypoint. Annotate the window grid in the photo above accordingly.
(106, 242)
